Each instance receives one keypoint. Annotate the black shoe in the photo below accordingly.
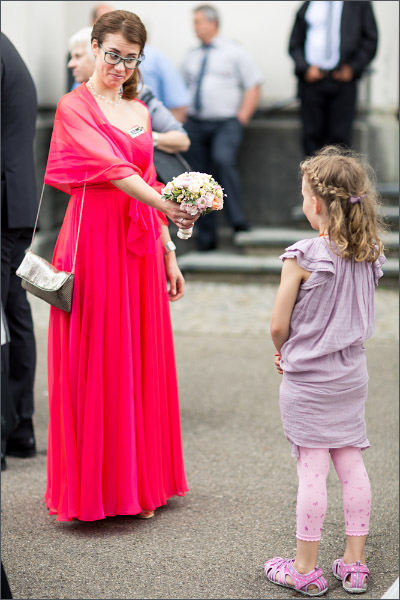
(3, 462)
(21, 448)
(242, 227)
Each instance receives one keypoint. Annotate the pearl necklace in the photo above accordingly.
(117, 103)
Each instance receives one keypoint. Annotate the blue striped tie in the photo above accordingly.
(197, 101)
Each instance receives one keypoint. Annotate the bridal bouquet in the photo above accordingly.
(196, 193)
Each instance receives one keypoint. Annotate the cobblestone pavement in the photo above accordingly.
(245, 309)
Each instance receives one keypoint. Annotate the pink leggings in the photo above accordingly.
(312, 470)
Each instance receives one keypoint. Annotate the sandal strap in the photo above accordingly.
(302, 582)
(357, 571)
(277, 568)
(357, 580)
(356, 567)
(336, 567)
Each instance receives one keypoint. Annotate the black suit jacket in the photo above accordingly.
(18, 125)
(358, 37)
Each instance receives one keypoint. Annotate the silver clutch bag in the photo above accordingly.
(44, 280)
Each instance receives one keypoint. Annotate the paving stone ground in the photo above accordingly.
(240, 509)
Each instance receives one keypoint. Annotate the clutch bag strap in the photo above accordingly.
(79, 224)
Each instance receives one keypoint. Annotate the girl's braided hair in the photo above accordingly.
(346, 184)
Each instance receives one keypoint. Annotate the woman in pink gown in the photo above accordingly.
(114, 441)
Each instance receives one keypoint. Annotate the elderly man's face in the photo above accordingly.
(81, 63)
(204, 29)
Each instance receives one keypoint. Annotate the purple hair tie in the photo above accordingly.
(355, 199)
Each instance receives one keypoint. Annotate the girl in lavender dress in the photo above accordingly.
(324, 312)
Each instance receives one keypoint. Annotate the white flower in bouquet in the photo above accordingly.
(196, 193)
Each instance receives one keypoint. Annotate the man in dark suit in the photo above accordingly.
(18, 214)
(331, 44)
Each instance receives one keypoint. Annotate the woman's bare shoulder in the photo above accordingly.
(140, 106)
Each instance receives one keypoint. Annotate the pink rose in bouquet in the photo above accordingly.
(196, 193)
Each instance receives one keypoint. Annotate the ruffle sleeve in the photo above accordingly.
(315, 256)
(377, 268)
(83, 148)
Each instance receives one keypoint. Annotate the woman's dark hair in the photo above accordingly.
(131, 27)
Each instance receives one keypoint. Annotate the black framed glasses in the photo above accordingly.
(111, 58)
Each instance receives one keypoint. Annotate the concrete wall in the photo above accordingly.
(271, 153)
(40, 31)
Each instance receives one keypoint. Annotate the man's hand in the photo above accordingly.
(344, 74)
(242, 118)
(313, 74)
(248, 106)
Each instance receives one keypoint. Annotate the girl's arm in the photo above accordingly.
(291, 278)
(174, 275)
(137, 188)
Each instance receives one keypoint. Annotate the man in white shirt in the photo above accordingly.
(331, 44)
(224, 83)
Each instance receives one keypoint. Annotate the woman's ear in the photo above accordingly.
(95, 47)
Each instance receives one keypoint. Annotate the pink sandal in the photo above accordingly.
(359, 576)
(277, 568)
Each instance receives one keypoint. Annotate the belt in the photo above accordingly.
(210, 120)
(327, 72)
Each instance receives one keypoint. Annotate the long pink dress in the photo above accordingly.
(114, 440)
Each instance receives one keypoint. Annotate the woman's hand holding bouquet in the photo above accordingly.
(196, 193)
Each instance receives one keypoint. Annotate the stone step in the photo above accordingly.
(262, 240)
(389, 212)
(227, 265)
(389, 191)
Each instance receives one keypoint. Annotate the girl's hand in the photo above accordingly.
(179, 217)
(175, 277)
(278, 362)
